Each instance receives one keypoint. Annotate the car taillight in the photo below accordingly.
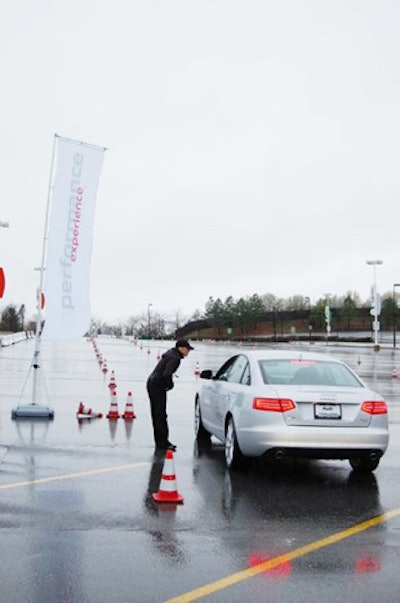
(273, 404)
(375, 408)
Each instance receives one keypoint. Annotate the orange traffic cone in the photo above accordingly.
(197, 369)
(113, 412)
(112, 383)
(394, 374)
(87, 413)
(104, 367)
(168, 492)
(129, 412)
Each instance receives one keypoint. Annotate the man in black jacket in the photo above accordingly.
(159, 382)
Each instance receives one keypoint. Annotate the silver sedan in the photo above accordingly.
(291, 404)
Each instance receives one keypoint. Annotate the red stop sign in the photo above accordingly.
(2, 282)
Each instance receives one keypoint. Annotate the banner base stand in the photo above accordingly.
(32, 411)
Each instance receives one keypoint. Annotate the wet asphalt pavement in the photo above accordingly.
(78, 523)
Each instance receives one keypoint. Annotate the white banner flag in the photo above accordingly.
(70, 233)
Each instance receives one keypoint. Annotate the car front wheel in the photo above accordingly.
(202, 435)
(364, 465)
(235, 460)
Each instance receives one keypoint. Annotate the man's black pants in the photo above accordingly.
(158, 406)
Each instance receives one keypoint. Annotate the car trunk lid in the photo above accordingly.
(327, 408)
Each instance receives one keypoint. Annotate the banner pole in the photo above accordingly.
(35, 361)
(34, 410)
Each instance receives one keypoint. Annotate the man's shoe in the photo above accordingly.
(167, 446)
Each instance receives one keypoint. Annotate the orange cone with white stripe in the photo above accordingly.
(168, 492)
(129, 412)
(112, 383)
(197, 369)
(87, 413)
(113, 412)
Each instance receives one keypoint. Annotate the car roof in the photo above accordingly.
(286, 354)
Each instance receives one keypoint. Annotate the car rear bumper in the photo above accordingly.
(314, 442)
(323, 453)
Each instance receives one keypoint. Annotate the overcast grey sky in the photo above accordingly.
(253, 146)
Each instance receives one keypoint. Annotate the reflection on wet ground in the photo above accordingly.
(282, 490)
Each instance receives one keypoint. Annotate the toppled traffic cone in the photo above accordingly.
(113, 412)
(87, 413)
(168, 492)
(129, 412)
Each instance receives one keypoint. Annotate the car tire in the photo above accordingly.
(235, 460)
(364, 465)
(202, 435)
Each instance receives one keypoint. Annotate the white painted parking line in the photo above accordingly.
(56, 478)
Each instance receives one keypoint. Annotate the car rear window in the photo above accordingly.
(307, 372)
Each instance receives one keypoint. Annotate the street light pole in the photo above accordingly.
(148, 320)
(376, 310)
(394, 313)
(308, 300)
(328, 316)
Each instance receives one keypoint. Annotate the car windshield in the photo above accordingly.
(307, 372)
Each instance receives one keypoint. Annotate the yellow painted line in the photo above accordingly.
(212, 587)
(57, 478)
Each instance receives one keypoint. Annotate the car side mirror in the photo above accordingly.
(207, 374)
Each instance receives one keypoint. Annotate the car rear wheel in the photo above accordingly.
(202, 435)
(364, 465)
(235, 460)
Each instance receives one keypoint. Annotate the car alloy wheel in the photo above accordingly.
(201, 433)
(234, 459)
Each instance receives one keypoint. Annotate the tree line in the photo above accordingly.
(347, 312)
(242, 315)
(13, 319)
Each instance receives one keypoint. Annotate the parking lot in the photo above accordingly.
(79, 523)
